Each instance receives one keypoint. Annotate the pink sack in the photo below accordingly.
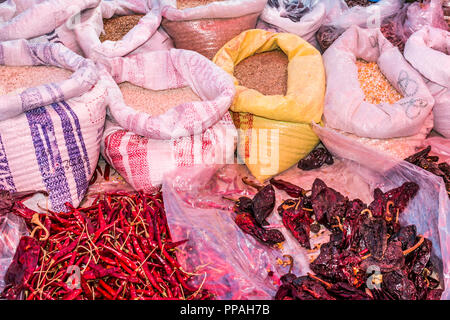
(161, 70)
(345, 108)
(88, 31)
(143, 162)
(428, 51)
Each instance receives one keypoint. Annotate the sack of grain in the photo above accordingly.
(287, 17)
(201, 93)
(280, 87)
(117, 28)
(363, 13)
(428, 51)
(372, 91)
(143, 162)
(43, 20)
(169, 111)
(52, 120)
(206, 25)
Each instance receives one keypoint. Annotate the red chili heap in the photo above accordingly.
(121, 246)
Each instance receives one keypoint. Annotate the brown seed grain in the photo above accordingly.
(117, 27)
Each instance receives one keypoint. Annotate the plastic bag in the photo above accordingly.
(428, 51)
(91, 26)
(205, 29)
(50, 134)
(275, 123)
(12, 228)
(304, 24)
(429, 210)
(345, 108)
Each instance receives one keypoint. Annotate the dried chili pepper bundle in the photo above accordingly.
(249, 225)
(290, 188)
(316, 159)
(251, 215)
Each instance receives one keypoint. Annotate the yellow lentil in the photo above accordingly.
(377, 89)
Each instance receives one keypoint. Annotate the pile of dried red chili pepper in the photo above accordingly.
(120, 248)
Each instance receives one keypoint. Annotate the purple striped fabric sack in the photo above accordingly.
(50, 134)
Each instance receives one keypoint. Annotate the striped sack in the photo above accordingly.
(53, 144)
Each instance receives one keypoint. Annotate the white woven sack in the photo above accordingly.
(162, 70)
(345, 108)
(42, 20)
(88, 31)
(143, 162)
(428, 51)
(306, 28)
(54, 144)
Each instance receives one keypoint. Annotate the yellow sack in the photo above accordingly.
(275, 131)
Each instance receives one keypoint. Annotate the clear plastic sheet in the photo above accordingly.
(205, 29)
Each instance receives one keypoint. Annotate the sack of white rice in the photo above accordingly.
(120, 27)
(43, 20)
(205, 26)
(428, 51)
(53, 108)
(169, 111)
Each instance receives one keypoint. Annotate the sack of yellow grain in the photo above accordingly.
(280, 87)
(206, 25)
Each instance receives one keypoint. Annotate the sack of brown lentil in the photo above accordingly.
(372, 91)
(302, 18)
(43, 20)
(53, 107)
(428, 51)
(280, 88)
(205, 26)
(120, 27)
(363, 13)
(170, 111)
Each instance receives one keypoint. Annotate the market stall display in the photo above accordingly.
(284, 150)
